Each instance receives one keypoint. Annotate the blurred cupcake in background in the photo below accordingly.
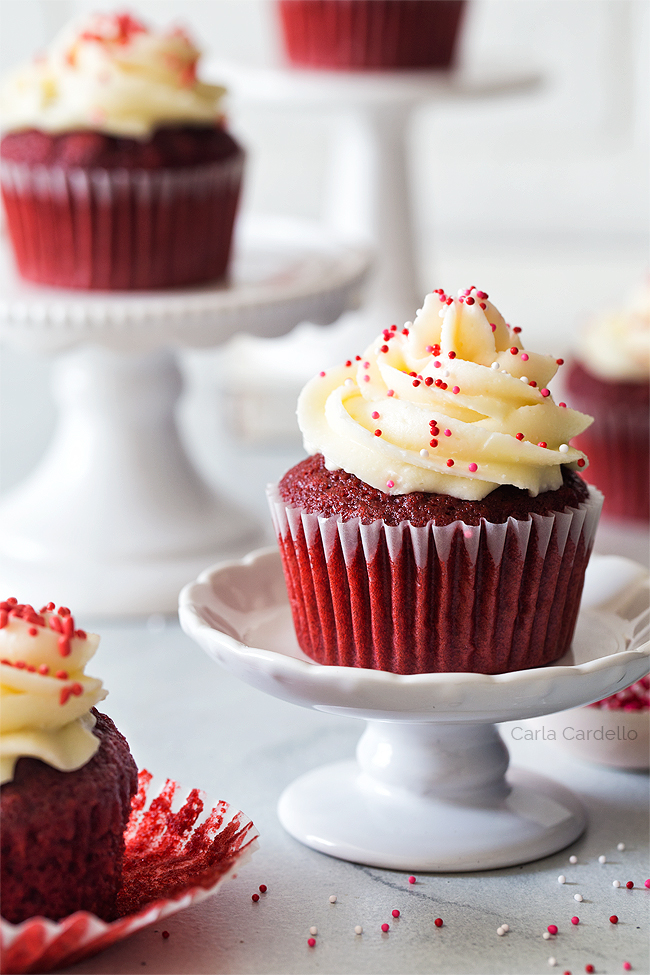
(614, 731)
(117, 171)
(609, 378)
(353, 35)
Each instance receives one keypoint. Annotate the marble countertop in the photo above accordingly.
(188, 719)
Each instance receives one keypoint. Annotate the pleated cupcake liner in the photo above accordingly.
(618, 447)
(486, 599)
(370, 34)
(121, 229)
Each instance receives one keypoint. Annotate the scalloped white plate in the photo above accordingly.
(239, 613)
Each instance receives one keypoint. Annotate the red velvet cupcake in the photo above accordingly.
(353, 35)
(67, 773)
(439, 524)
(610, 379)
(122, 176)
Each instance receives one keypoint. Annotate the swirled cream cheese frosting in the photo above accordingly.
(450, 404)
(616, 345)
(111, 74)
(45, 695)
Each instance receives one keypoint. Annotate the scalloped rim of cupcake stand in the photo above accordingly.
(428, 789)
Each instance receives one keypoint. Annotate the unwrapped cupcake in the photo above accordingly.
(439, 523)
(116, 169)
(610, 378)
(67, 773)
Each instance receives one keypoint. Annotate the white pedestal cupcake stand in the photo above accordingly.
(115, 519)
(430, 788)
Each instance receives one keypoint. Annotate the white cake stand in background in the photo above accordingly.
(115, 519)
(428, 789)
(368, 193)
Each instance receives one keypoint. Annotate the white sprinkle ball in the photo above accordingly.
(424, 453)
(506, 927)
(546, 936)
(577, 897)
(561, 879)
(445, 373)
(552, 961)
(573, 859)
(563, 448)
(523, 379)
(505, 372)
(349, 382)
(358, 929)
(332, 898)
(410, 324)
(602, 859)
(313, 930)
(620, 847)
(500, 932)
(616, 883)
(495, 365)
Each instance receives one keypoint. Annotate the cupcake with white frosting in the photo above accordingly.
(117, 171)
(67, 773)
(439, 523)
(610, 378)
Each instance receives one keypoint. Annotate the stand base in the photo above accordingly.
(338, 810)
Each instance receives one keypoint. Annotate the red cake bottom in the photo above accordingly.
(63, 832)
(487, 598)
(122, 229)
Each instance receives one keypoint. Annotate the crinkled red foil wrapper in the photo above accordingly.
(172, 860)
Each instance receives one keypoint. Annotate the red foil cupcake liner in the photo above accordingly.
(177, 854)
(460, 598)
(121, 229)
(618, 447)
(367, 34)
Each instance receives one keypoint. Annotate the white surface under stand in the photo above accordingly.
(368, 193)
(428, 790)
(115, 519)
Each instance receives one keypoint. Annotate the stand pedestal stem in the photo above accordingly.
(368, 196)
(430, 797)
(115, 507)
(447, 762)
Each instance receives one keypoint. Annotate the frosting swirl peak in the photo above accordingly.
(46, 697)
(450, 404)
(111, 74)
